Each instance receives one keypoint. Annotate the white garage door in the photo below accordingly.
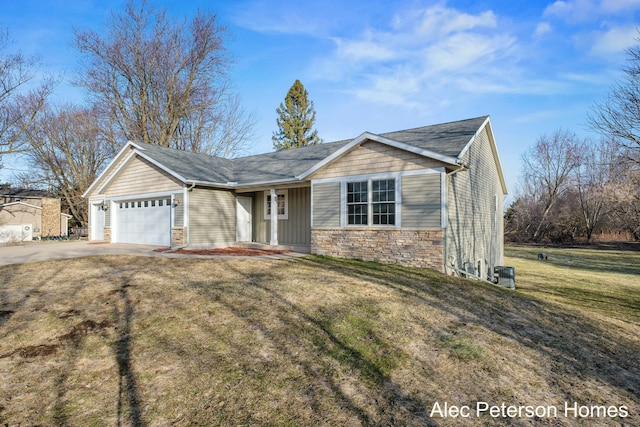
(146, 222)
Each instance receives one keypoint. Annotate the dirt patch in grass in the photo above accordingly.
(85, 327)
(230, 251)
(32, 351)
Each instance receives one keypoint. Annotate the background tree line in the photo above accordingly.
(573, 188)
(147, 77)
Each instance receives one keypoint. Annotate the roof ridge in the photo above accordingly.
(435, 124)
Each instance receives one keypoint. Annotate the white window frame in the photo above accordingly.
(370, 202)
(267, 195)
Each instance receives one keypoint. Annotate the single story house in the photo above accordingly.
(428, 197)
(30, 214)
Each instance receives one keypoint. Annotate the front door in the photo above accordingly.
(243, 219)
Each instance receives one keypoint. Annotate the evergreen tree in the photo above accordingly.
(296, 117)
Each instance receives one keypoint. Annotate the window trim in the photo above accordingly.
(370, 202)
(267, 195)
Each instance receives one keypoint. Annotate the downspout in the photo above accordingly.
(445, 196)
(187, 204)
(186, 215)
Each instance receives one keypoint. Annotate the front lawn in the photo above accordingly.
(121, 340)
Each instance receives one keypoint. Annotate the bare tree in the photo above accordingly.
(618, 116)
(20, 100)
(164, 82)
(592, 174)
(623, 192)
(68, 152)
(547, 171)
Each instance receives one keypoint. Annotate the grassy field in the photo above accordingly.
(120, 340)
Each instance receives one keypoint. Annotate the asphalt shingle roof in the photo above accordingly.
(447, 139)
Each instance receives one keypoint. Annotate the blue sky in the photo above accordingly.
(380, 66)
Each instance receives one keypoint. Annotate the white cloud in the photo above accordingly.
(614, 6)
(572, 10)
(575, 11)
(364, 50)
(542, 29)
(614, 40)
(427, 53)
(441, 20)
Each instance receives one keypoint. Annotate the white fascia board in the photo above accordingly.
(108, 168)
(20, 203)
(191, 182)
(494, 150)
(161, 166)
(117, 170)
(336, 154)
(275, 182)
(496, 156)
(381, 139)
(473, 138)
(138, 152)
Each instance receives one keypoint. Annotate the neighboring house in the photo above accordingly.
(427, 197)
(30, 214)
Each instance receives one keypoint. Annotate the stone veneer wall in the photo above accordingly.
(107, 234)
(410, 247)
(177, 236)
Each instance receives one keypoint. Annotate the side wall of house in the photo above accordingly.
(416, 238)
(474, 211)
(212, 218)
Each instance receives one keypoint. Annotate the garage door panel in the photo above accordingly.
(146, 222)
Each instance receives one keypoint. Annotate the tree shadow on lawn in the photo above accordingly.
(308, 342)
(36, 298)
(578, 347)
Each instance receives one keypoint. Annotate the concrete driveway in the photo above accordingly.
(51, 250)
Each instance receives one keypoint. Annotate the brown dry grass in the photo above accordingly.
(121, 340)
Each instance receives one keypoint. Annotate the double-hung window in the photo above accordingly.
(371, 202)
(384, 202)
(357, 203)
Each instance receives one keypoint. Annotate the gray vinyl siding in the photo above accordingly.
(296, 230)
(422, 201)
(326, 205)
(474, 209)
(212, 217)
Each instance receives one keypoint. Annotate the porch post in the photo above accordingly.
(274, 217)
